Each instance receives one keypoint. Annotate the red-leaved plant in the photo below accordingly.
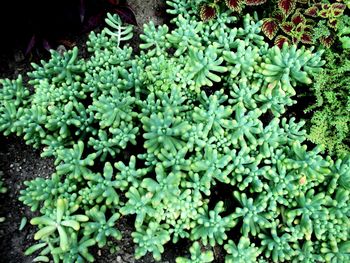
(290, 21)
(209, 10)
(297, 18)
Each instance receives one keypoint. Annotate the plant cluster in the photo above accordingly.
(157, 135)
(330, 122)
(292, 21)
(344, 31)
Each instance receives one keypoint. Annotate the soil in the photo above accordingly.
(20, 162)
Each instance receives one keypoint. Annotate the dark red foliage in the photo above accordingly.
(207, 12)
(306, 38)
(323, 13)
(280, 40)
(327, 41)
(333, 22)
(286, 6)
(337, 9)
(277, 14)
(255, 2)
(235, 5)
(270, 27)
(287, 27)
(311, 11)
(298, 18)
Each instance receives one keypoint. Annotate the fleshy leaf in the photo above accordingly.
(270, 27)
(286, 6)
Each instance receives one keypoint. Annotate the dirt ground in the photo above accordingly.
(20, 162)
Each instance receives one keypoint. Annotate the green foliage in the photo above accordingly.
(164, 130)
(14, 97)
(129, 175)
(70, 161)
(244, 251)
(336, 253)
(282, 68)
(150, 238)
(185, 35)
(59, 220)
(277, 245)
(40, 190)
(78, 251)
(202, 65)
(197, 256)
(330, 122)
(187, 137)
(344, 31)
(101, 228)
(58, 69)
(154, 39)
(103, 188)
(122, 33)
(212, 226)
(252, 213)
(139, 203)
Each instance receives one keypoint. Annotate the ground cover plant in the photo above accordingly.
(330, 122)
(188, 136)
(321, 23)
